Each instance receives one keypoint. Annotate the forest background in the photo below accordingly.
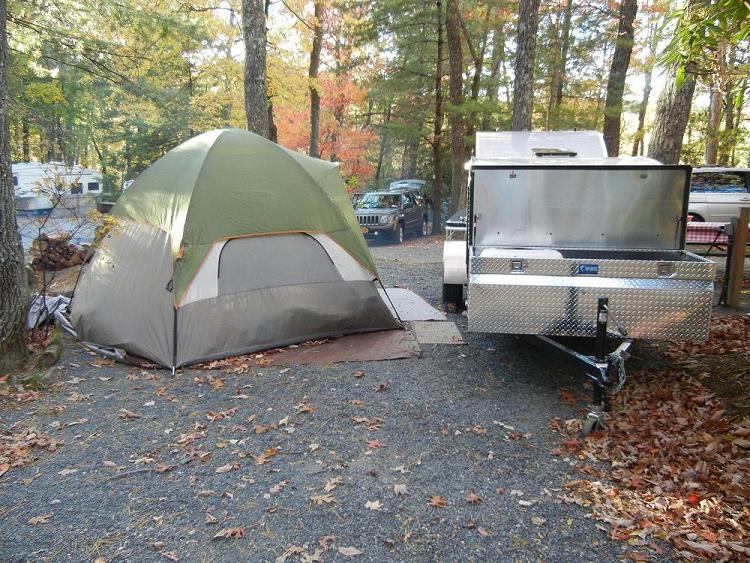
(389, 88)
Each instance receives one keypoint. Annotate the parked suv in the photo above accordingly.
(716, 194)
(392, 214)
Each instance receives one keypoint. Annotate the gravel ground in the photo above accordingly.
(442, 458)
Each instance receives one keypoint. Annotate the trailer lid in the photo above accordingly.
(505, 144)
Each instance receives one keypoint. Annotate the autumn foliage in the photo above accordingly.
(676, 468)
(343, 136)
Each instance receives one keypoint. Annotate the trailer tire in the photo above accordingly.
(592, 424)
(453, 294)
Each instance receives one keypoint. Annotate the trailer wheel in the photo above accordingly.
(453, 294)
(592, 424)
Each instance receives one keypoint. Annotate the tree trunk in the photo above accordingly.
(455, 60)
(617, 72)
(460, 174)
(272, 129)
(313, 77)
(672, 113)
(565, 48)
(256, 97)
(13, 288)
(523, 85)
(726, 149)
(496, 58)
(411, 159)
(26, 133)
(437, 130)
(385, 143)
(642, 107)
(648, 71)
(714, 122)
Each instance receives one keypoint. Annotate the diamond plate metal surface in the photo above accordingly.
(656, 309)
(690, 267)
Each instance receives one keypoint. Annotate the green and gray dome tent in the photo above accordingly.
(227, 245)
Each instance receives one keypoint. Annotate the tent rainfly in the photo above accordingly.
(226, 245)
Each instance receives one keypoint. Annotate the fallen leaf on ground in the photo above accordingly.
(125, 414)
(472, 498)
(332, 483)
(303, 408)
(383, 387)
(230, 533)
(266, 456)
(437, 501)
(227, 468)
(349, 551)
(323, 499)
(373, 504)
(43, 519)
(672, 453)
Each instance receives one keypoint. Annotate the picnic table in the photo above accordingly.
(716, 235)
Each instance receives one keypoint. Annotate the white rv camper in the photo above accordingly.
(39, 185)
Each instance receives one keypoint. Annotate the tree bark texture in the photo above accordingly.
(714, 122)
(523, 84)
(642, 107)
(564, 49)
(672, 112)
(497, 56)
(455, 60)
(437, 130)
(256, 96)
(13, 305)
(317, 45)
(617, 72)
(648, 71)
(557, 66)
(727, 148)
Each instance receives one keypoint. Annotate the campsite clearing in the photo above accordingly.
(459, 455)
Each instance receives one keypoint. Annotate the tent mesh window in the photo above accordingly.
(260, 262)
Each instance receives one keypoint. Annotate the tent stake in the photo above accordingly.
(174, 341)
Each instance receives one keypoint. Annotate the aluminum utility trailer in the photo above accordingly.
(563, 241)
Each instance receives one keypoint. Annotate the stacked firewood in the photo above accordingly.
(52, 253)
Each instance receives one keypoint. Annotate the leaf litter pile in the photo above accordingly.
(679, 461)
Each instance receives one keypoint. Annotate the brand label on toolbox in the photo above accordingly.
(588, 269)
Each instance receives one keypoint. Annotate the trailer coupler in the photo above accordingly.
(606, 371)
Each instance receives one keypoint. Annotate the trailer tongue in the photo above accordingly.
(565, 242)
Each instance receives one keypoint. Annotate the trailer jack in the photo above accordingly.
(606, 371)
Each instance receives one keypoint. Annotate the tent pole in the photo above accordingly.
(389, 300)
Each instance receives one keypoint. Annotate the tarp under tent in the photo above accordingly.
(226, 245)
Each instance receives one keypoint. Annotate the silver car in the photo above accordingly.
(716, 194)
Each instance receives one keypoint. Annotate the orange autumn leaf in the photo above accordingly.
(437, 501)
(266, 456)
